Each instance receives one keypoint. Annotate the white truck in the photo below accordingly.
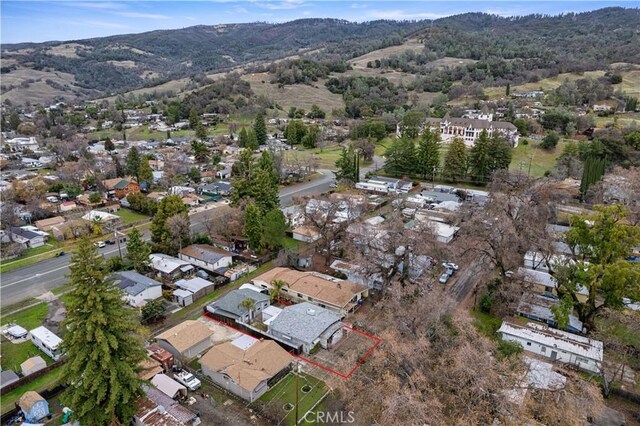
(189, 380)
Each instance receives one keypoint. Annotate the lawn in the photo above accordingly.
(291, 244)
(42, 383)
(29, 318)
(532, 157)
(15, 354)
(284, 393)
(129, 216)
(32, 255)
(486, 324)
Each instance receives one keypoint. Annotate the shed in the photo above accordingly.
(33, 407)
(168, 386)
(7, 377)
(32, 365)
(183, 297)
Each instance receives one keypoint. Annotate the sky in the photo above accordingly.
(36, 21)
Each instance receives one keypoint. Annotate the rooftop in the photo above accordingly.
(579, 345)
(231, 301)
(323, 288)
(133, 283)
(205, 253)
(157, 409)
(247, 365)
(186, 334)
(168, 264)
(305, 321)
(540, 306)
(194, 284)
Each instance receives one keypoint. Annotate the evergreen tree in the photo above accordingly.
(118, 166)
(273, 229)
(201, 132)
(260, 129)
(480, 158)
(132, 163)
(593, 171)
(252, 140)
(167, 207)
(508, 91)
(455, 162)
(243, 138)
(346, 168)
(428, 153)
(253, 226)
(311, 138)
(264, 191)
(500, 153)
(200, 151)
(108, 145)
(266, 163)
(401, 158)
(194, 119)
(295, 132)
(145, 174)
(101, 345)
(138, 251)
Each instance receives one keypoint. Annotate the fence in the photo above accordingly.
(631, 396)
(28, 379)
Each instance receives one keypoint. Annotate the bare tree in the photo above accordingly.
(179, 228)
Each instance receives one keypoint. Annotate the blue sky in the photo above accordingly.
(67, 20)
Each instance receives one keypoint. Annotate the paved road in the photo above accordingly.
(34, 280)
(465, 282)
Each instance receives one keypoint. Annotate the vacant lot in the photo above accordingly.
(297, 95)
(533, 157)
(544, 84)
(129, 216)
(411, 44)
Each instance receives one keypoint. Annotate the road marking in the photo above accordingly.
(35, 276)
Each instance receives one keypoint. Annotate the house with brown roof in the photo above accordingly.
(46, 224)
(340, 296)
(186, 340)
(157, 409)
(206, 256)
(120, 188)
(246, 365)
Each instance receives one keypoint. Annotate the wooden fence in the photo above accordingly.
(28, 379)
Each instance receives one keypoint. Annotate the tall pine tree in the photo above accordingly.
(253, 226)
(346, 167)
(260, 129)
(401, 158)
(243, 138)
(102, 349)
(138, 251)
(480, 160)
(167, 207)
(499, 152)
(132, 163)
(428, 153)
(455, 162)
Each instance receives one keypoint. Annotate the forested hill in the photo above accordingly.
(125, 62)
(512, 50)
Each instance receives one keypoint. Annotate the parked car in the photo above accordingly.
(110, 242)
(60, 254)
(189, 380)
(450, 265)
(101, 244)
(444, 278)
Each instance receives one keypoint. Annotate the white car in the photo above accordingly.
(444, 278)
(187, 379)
(101, 244)
(450, 265)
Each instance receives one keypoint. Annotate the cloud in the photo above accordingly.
(240, 9)
(142, 15)
(403, 15)
(358, 6)
(97, 5)
(279, 5)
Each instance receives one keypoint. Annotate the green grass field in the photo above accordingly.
(129, 216)
(29, 318)
(485, 323)
(541, 160)
(15, 354)
(284, 393)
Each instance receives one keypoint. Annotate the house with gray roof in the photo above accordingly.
(27, 237)
(7, 377)
(206, 257)
(215, 188)
(229, 306)
(307, 325)
(138, 289)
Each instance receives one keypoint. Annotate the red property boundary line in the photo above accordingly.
(360, 362)
(324, 367)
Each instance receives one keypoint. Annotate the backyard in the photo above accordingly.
(129, 216)
(279, 400)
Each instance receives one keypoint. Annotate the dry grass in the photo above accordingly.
(297, 95)
(411, 44)
(450, 62)
(38, 91)
(544, 84)
(395, 77)
(123, 64)
(68, 50)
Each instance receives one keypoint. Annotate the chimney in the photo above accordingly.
(311, 312)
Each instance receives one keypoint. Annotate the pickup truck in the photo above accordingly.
(189, 380)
